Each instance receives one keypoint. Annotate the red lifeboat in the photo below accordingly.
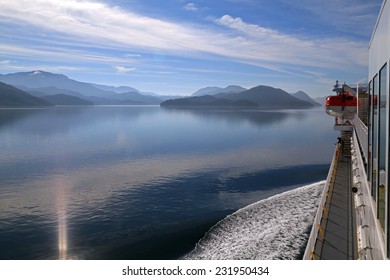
(344, 104)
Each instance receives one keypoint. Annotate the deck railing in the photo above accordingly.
(362, 134)
(364, 225)
(369, 235)
(369, 229)
(309, 252)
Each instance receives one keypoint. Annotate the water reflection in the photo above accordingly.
(61, 201)
(47, 122)
(89, 182)
(237, 117)
(62, 235)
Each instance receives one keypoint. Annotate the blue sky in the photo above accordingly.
(178, 46)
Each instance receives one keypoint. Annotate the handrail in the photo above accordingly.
(372, 245)
(362, 135)
(362, 223)
(309, 252)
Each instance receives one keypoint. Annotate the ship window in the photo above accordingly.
(364, 106)
(374, 114)
(382, 125)
(387, 96)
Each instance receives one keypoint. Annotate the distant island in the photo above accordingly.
(262, 97)
(40, 88)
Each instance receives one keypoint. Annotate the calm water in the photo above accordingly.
(144, 182)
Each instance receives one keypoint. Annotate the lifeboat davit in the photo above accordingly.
(344, 104)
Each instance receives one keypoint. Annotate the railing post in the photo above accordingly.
(321, 232)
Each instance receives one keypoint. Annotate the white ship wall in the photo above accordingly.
(379, 55)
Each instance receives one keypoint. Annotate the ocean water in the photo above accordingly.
(142, 182)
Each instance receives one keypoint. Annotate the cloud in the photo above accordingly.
(132, 55)
(240, 25)
(353, 16)
(14, 66)
(56, 54)
(108, 26)
(191, 7)
(103, 27)
(123, 70)
(272, 45)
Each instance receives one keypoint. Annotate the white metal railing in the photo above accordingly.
(359, 183)
(362, 134)
(372, 243)
(309, 252)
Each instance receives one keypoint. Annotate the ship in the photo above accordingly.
(352, 220)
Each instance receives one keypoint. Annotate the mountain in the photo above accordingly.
(320, 100)
(263, 97)
(42, 83)
(218, 90)
(63, 99)
(45, 91)
(269, 98)
(206, 91)
(41, 79)
(13, 97)
(125, 89)
(305, 97)
(120, 89)
(128, 98)
(138, 97)
(207, 101)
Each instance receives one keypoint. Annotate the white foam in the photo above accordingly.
(273, 228)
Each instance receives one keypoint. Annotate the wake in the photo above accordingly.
(274, 228)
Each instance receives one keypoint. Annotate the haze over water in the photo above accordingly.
(143, 182)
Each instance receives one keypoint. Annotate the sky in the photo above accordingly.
(175, 47)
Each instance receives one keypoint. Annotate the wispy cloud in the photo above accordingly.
(9, 65)
(272, 45)
(58, 68)
(123, 70)
(191, 7)
(353, 16)
(104, 27)
(132, 55)
(53, 53)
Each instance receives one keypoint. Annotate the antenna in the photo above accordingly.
(336, 87)
(357, 96)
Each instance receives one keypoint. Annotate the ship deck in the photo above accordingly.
(337, 238)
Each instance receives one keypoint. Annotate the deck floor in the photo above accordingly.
(338, 228)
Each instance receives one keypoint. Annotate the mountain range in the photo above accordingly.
(40, 84)
(40, 88)
(262, 97)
